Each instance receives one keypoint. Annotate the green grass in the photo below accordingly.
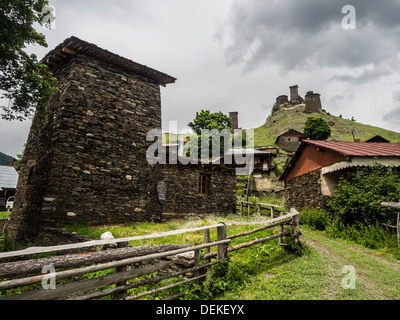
(342, 129)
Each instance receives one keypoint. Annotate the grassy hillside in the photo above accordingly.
(294, 118)
(4, 159)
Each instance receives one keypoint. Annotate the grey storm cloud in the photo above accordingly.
(301, 35)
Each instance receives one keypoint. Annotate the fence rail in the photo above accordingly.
(128, 263)
(259, 206)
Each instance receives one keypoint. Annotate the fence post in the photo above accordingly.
(241, 208)
(222, 249)
(249, 209)
(122, 294)
(281, 243)
(207, 240)
(398, 228)
(259, 210)
(272, 212)
(296, 227)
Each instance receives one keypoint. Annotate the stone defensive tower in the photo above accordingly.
(313, 102)
(294, 93)
(87, 162)
(234, 119)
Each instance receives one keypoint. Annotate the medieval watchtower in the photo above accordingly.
(87, 162)
(313, 102)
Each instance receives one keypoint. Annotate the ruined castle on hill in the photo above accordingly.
(312, 100)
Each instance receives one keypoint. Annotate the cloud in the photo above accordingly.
(305, 35)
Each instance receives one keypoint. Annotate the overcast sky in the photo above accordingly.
(239, 55)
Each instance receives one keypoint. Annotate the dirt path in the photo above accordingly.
(376, 277)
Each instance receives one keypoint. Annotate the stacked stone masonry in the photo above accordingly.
(87, 163)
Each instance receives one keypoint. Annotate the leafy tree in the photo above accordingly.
(26, 86)
(205, 120)
(317, 129)
(213, 122)
(361, 192)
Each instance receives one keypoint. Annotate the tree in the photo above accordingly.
(205, 120)
(317, 129)
(204, 125)
(26, 86)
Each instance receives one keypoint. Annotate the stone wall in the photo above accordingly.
(305, 192)
(183, 190)
(289, 144)
(87, 163)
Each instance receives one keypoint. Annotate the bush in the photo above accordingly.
(372, 236)
(361, 193)
(316, 219)
(317, 129)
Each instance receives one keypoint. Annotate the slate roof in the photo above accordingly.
(74, 45)
(8, 177)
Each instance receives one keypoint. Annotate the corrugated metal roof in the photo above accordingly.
(8, 177)
(361, 149)
(74, 45)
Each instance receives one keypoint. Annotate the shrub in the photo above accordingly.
(316, 219)
(361, 193)
(317, 129)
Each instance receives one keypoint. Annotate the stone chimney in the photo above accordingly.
(313, 102)
(234, 119)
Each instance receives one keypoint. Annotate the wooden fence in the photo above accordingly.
(128, 264)
(396, 206)
(258, 207)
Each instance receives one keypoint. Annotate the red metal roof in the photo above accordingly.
(347, 149)
(361, 149)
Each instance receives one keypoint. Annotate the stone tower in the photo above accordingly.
(234, 119)
(87, 162)
(294, 93)
(313, 102)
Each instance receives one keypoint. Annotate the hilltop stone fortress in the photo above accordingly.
(312, 100)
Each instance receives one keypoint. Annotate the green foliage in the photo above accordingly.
(209, 121)
(4, 159)
(275, 109)
(26, 84)
(316, 219)
(360, 194)
(317, 128)
(373, 236)
(215, 123)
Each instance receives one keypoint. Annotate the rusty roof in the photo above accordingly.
(74, 45)
(347, 149)
(293, 133)
(359, 149)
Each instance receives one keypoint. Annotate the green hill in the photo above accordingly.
(4, 159)
(294, 118)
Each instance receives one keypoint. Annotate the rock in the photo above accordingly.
(107, 236)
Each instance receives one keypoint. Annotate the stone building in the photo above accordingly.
(313, 173)
(199, 189)
(290, 140)
(87, 162)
